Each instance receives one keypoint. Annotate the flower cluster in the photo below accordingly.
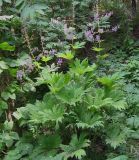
(20, 75)
(89, 35)
(115, 28)
(69, 32)
(59, 61)
(52, 52)
(93, 34)
(108, 15)
(29, 65)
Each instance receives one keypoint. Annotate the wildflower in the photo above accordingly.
(29, 65)
(89, 35)
(60, 61)
(69, 32)
(38, 57)
(20, 75)
(115, 29)
(52, 52)
(96, 17)
(108, 15)
(97, 38)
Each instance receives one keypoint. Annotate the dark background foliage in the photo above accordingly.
(69, 73)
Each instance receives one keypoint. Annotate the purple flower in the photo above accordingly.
(52, 52)
(89, 35)
(29, 64)
(19, 75)
(69, 32)
(38, 57)
(96, 17)
(97, 38)
(115, 29)
(108, 15)
(60, 61)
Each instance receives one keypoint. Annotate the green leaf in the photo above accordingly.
(68, 55)
(121, 157)
(3, 105)
(29, 11)
(8, 125)
(97, 49)
(6, 47)
(19, 151)
(7, 1)
(78, 45)
(81, 67)
(120, 105)
(110, 80)
(88, 120)
(46, 59)
(133, 122)
(117, 135)
(56, 81)
(3, 65)
(1, 3)
(50, 142)
(7, 95)
(75, 147)
(71, 94)
(18, 2)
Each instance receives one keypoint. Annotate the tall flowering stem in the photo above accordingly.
(98, 23)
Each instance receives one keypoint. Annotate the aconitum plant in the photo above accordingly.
(99, 25)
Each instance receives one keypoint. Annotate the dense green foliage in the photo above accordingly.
(69, 73)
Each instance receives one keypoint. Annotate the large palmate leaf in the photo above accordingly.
(50, 142)
(75, 147)
(117, 135)
(55, 114)
(81, 67)
(133, 122)
(56, 81)
(31, 11)
(71, 93)
(90, 121)
(47, 147)
(40, 113)
(87, 119)
(109, 81)
(78, 45)
(68, 55)
(21, 150)
(98, 100)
